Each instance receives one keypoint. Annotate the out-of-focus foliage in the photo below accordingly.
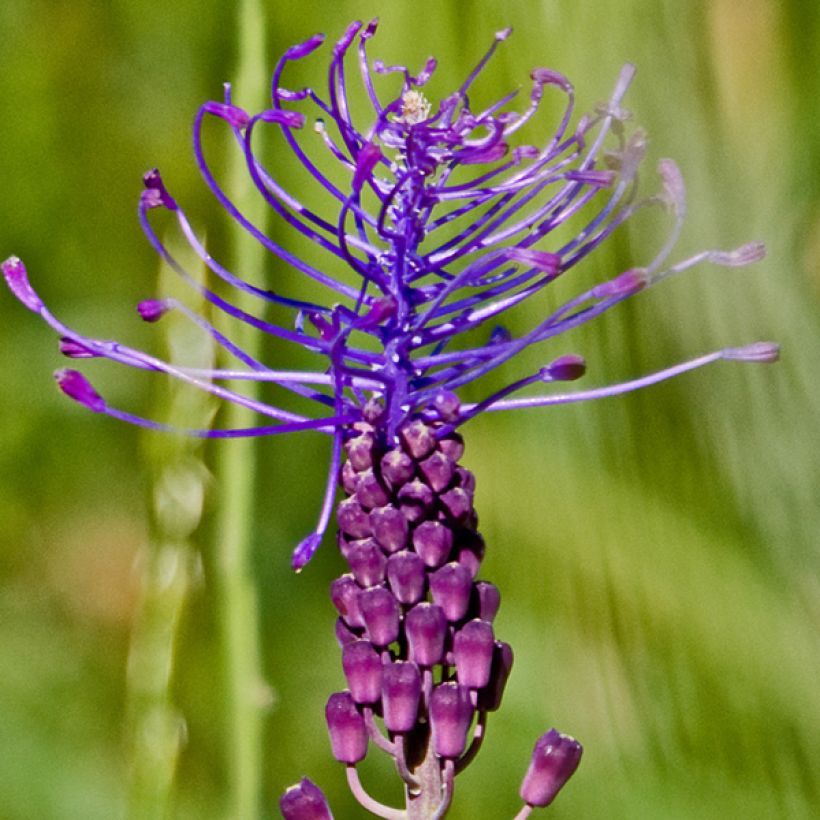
(657, 554)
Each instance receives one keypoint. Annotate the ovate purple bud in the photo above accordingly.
(401, 690)
(344, 592)
(489, 698)
(303, 49)
(415, 500)
(304, 801)
(156, 194)
(344, 634)
(381, 614)
(305, 551)
(564, 369)
(352, 519)
(473, 647)
(290, 119)
(348, 733)
(235, 116)
(457, 504)
(370, 492)
(75, 350)
(433, 542)
(77, 387)
(152, 310)
(450, 717)
(397, 468)
(554, 760)
(764, 352)
(367, 562)
(406, 576)
(450, 587)
(426, 629)
(390, 528)
(366, 160)
(360, 451)
(363, 671)
(16, 277)
(418, 439)
(437, 471)
(447, 405)
(744, 255)
(629, 282)
(544, 261)
(469, 551)
(486, 600)
(452, 445)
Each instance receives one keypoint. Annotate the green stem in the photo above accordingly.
(246, 692)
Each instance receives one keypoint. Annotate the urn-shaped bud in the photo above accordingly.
(426, 628)
(348, 733)
(344, 592)
(554, 760)
(381, 614)
(367, 562)
(433, 542)
(390, 528)
(363, 670)
(450, 587)
(401, 690)
(489, 698)
(304, 801)
(450, 716)
(473, 647)
(406, 576)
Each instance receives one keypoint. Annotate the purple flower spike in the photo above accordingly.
(450, 717)
(77, 387)
(348, 733)
(304, 801)
(473, 647)
(401, 692)
(554, 760)
(363, 670)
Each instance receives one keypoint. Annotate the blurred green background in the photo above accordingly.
(657, 553)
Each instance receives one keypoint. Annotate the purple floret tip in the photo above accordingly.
(16, 277)
(554, 760)
(77, 387)
(305, 551)
(152, 310)
(304, 801)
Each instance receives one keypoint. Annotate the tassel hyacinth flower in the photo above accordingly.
(440, 220)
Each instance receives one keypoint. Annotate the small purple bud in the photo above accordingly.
(417, 439)
(152, 310)
(344, 634)
(554, 760)
(549, 263)
(437, 470)
(452, 445)
(367, 562)
(349, 478)
(450, 587)
(75, 350)
(489, 698)
(470, 551)
(565, 369)
(303, 49)
(433, 542)
(381, 614)
(156, 194)
(235, 116)
(390, 528)
(305, 551)
(16, 277)
(415, 500)
(397, 468)
(77, 387)
(369, 491)
(473, 647)
(304, 801)
(486, 600)
(457, 504)
(289, 119)
(447, 405)
(401, 690)
(363, 671)
(465, 479)
(426, 629)
(366, 160)
(450, 717)
(348, 733)
(627, 283)
(344, 592)
(360, 451)
(352, 519)
(406, 576)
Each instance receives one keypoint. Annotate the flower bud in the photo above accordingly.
(433, 542)
(406, 576)
(554, 760)
(390, 528)
(401, 690)
(489, 698)
(367, 562)
(450, 717)
(450, 587)
(304, 801)
(363, 671)
(380, 612)
(348, 733)
(426, 628)
(473, 652)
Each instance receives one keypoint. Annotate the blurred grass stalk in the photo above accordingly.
(170, 564)
(246, 691)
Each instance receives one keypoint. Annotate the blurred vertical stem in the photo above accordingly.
(236, 467)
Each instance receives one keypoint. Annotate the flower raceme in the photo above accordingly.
(439, 221)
